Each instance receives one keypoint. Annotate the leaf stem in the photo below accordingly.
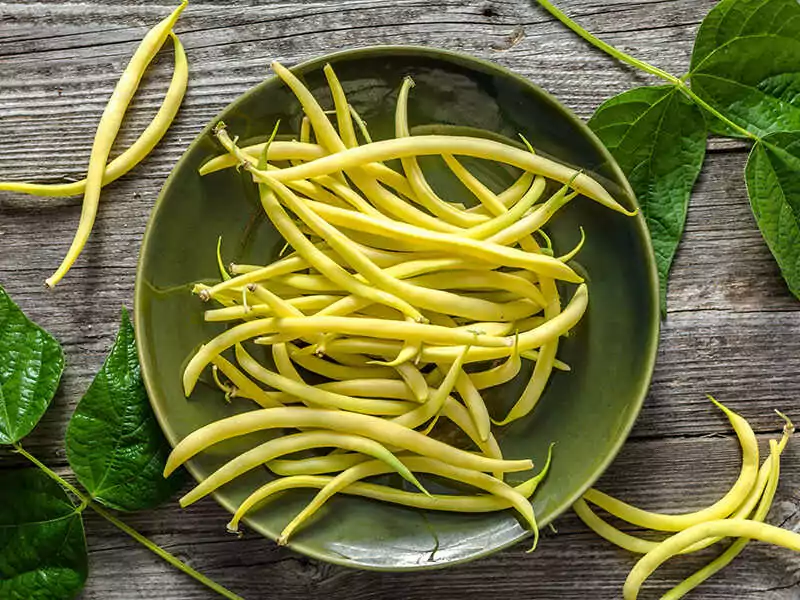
(53, 475)
(607, 48)
(678, 82)
(711, 110)
(146, 542)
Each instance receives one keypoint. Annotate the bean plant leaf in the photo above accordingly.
(746, 64)
(114, 444)
(773, 184)
(42, 543)
(31, 363)
(658, 137)
(731, 19)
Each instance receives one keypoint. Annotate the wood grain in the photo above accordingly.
(732, 329)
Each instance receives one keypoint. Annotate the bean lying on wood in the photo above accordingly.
(107, 131)
(740, 512)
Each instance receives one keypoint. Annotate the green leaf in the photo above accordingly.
(114, 444)
(773, 184)
(746, 64)
(42, 543)
(31, 363)
(731, 19)
(658, 137)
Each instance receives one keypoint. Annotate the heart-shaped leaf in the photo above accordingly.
(42, 543)
(773, 184)
(31, 363)
(731, 19)
(746, 64)
(114, 444)
(658, 137)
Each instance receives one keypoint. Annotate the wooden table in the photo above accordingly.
(732, 330)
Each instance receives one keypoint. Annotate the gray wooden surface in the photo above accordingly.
(732, 330)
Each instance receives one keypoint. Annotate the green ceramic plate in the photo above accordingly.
(587, 412)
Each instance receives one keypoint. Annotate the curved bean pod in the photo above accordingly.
(424, 194)
(732, 551)
(315, 396)
(137, 151)
(379, 492)
(741, 528)
(425, 465)
(371, 427)
(720, 509)
(421, 145)
(295, 443)
(107, 130)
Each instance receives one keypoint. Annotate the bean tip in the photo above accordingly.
(535, 540)
(626, 212)
(788, 427)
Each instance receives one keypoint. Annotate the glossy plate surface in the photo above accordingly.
(587, 412)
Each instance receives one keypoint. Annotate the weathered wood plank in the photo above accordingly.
(680, 475)
(732, 329)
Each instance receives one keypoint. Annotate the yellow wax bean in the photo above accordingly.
(295, 443)
(137, 151)
(483, 250)
(436, 401)
(457, 145)
(243, 383)
(672, 546)
(724, 559)
(528, 340)
(316, 396)
(453, 503)
(277, 151)
(284, 266)
(500, 374)
(304, 303)
(484, 195)
(371, 427)
(532, 222)
(288, 229)
(508, 217)
(327, 136)
(642, 546)
(422, 190)
(341, 372)
(425, 465)
(466, 280)
(107, 130)
(315, 465)
(720, 509)
(406, 292)
(414, 380)
(544, 365)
